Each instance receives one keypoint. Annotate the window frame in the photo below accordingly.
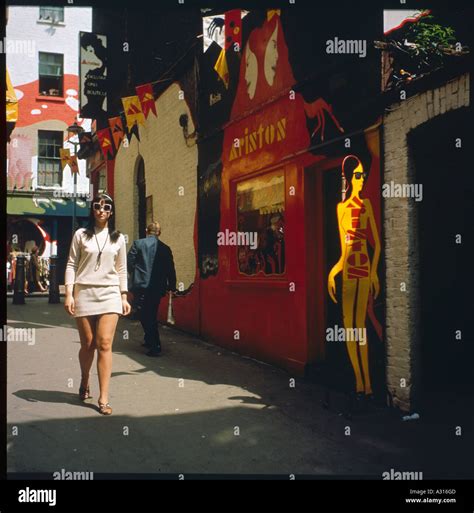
(235, 273)
(42, 76)
(59, 9)
(49, 159)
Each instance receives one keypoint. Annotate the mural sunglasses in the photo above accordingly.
(358, 175)
(106, 207)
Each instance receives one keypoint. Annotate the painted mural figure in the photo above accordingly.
(359, 275)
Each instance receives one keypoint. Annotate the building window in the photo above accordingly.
(50, 74)
(260, 224)
(49, 160)
(53, 14)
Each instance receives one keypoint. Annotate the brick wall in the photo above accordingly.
(400, 232)
(169, 164)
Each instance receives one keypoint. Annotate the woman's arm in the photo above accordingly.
(122, 267)
(71, 268)
(73, 261)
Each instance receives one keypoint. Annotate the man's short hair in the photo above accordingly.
(154, 228)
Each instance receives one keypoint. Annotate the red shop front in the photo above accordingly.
(279, 189)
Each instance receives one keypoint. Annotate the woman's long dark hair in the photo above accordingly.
(89, 230)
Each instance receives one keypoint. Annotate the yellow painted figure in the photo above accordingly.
(359, 275)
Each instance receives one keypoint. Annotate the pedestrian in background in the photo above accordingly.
(152, 274)
(96, 293)
(35, 270)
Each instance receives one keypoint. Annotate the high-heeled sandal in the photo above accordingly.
(105, 409)
(84, 393)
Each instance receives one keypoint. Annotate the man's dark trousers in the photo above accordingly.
(149, 303)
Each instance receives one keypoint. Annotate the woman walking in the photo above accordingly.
(96, 293)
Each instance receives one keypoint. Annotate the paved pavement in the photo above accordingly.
(197, 409)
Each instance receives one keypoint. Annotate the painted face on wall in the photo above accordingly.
(251, 71)
(358, 179)
(271, 57)
(265, 69)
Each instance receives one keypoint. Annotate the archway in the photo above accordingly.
(141, 192)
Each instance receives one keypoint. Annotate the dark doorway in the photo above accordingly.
(323, 185)
(141, 186)
(445, 297)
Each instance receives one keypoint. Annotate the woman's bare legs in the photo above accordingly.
(106, 325)
(87, 332)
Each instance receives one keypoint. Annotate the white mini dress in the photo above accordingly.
(97, 267)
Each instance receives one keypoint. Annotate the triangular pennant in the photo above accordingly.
(116, 127)
(133, 110)
(68, 160)
(147, 100)
(222, 69)
(273, 12)
(129, 132)
(105, 141)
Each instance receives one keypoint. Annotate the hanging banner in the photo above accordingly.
(92, 75)
(222, 69)
(12, 102)
(147, 100)
(217, 28)
(68, 160)
(133, 111)
(233, 30)
(116, 127)
(105, 141)
(129, 132)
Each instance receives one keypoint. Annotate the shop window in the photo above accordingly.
(50, 74)
(49, 160)
(260, 224)
(53, 14)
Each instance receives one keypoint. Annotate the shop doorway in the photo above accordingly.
(141, 191)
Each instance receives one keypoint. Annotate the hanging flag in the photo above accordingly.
(116, 127)
(12, 102)
(129, 132)
(105, 141)
(222, 69)
(68, 160)
(133, 111)
(147, 100)
(233, 29)
(272, 12)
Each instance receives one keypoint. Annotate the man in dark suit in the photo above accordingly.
(152, 274)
